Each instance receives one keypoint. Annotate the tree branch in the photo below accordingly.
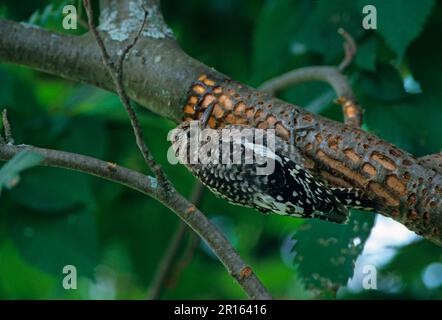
(166, 263)
(166, 82)
(115, 70)
(7, 129)
(432, 161)
(332, 75)
(349, 49)
(149, 186)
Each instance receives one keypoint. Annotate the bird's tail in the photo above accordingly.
(353, 198)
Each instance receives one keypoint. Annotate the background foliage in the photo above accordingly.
(115, 237)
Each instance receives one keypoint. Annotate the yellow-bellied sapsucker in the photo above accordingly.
(228, 165)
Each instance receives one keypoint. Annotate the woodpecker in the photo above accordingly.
(287, 188)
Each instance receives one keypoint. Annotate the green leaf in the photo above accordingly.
(384, 85)
(51, 17)
(366, 55)
(320, 26)
(9, 173)
(402, 123)
(326, 252)
(399, 22)
(50, 243)
(52, 190)
(424, 253)
(425, 59)
(18, 279)
(273, 38)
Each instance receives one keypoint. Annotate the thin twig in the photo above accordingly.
(7, 128)
(129, 47)
(184, 261)
(171, 199)
(330, 74)
(172, 251)
(115, 71)
(166, 263)
(350, 49)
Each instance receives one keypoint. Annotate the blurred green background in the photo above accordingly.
(116, 238)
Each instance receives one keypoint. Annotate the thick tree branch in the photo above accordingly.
(161, 77)
(149, 186)
(432, 161)
(115, 70)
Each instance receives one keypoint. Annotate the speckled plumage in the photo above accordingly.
(290, 189)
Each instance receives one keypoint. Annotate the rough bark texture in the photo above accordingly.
(161, 77)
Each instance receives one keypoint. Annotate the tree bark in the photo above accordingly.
(164, 79)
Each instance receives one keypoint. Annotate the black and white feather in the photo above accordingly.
(289, 189)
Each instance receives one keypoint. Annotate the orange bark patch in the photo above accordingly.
(246, 272)
(386, 162)
(397, 185)
(209, 82)
(188, 108)
(258, 114)
(199, 89)
(333, 141)
(240, 120)
(218, 90)
(193, 100)
(282, 131)
(377, 189)
(318, 138)
(190, 209)
(369, 169)
(226, 102)
(271, 120)
(350, 110)
(335, 180)
(208, 99)
(230, 119)
(250, 112)
(341, 168)
(353, 156)
(240, 108)
(212, 122)
(218, 112)
(263, 125)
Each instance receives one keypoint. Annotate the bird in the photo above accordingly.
(255, 168)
